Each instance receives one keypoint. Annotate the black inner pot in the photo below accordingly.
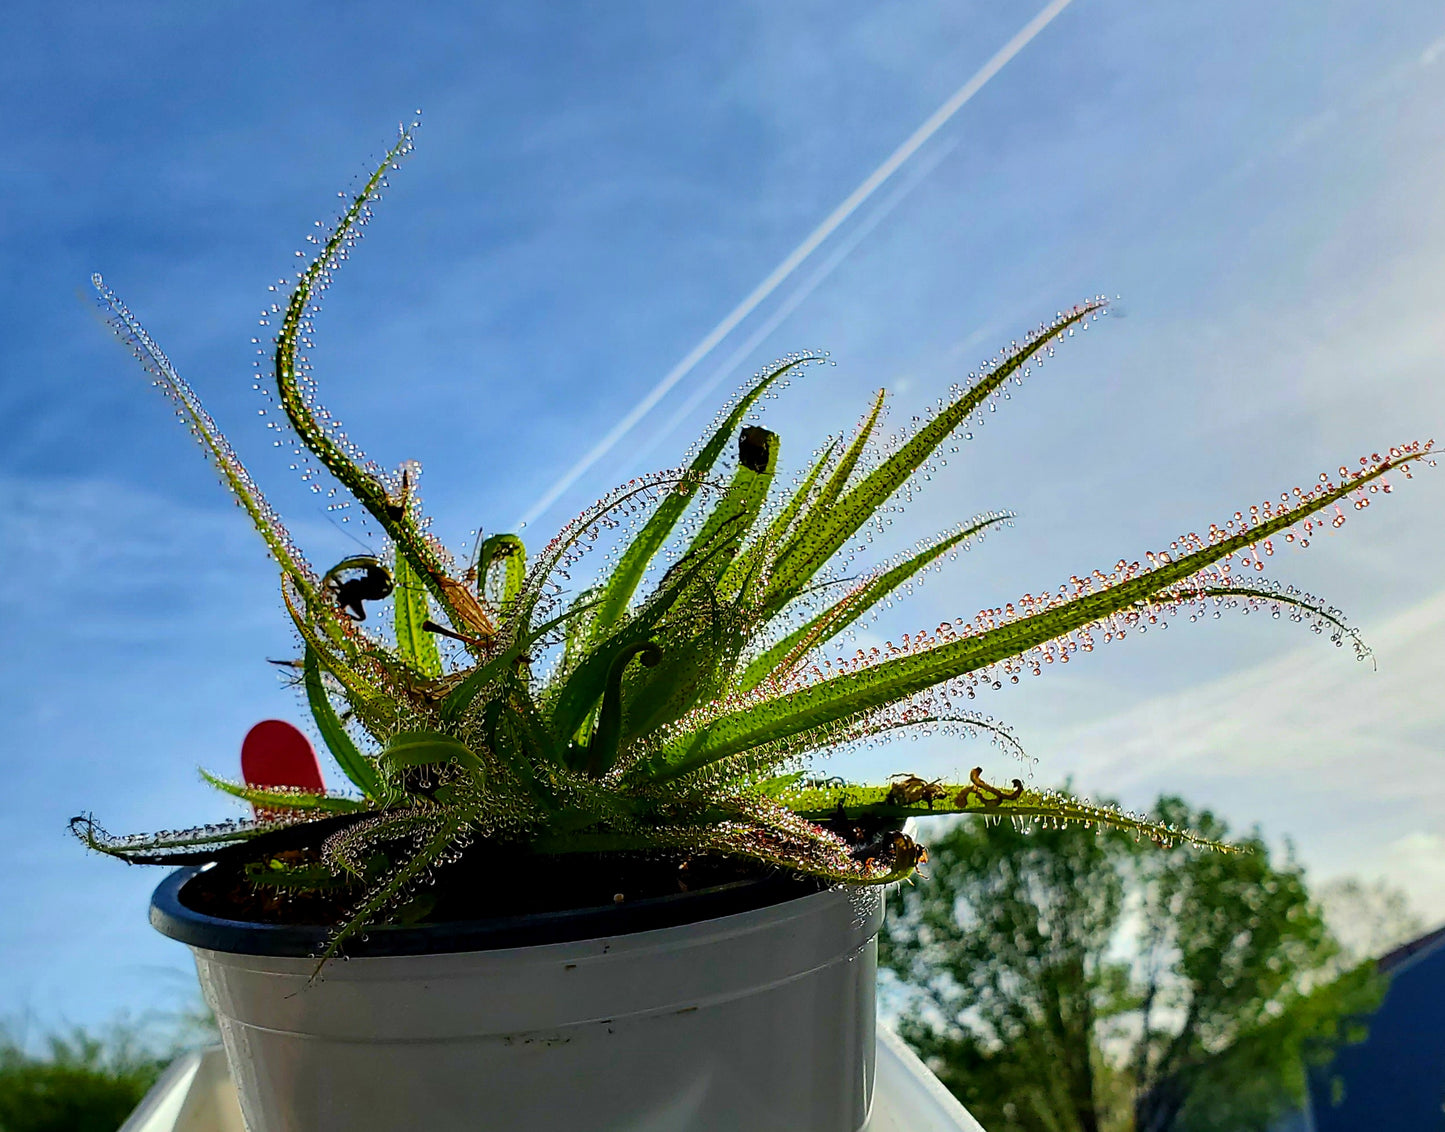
(515, 903)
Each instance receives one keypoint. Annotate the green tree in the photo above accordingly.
(81, 1084)
(1068, 980)
(89, 1080)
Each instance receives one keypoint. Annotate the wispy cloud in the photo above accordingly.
(1349, 761)
(794, 259)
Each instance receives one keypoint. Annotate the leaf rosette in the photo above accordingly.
(673, 704)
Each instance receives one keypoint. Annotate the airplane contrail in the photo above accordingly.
(838, 216)
(794, 300)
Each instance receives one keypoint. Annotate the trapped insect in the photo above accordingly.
(369, 581)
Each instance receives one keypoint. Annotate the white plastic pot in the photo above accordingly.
(755, 1020)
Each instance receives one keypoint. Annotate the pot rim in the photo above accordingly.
(171, 917)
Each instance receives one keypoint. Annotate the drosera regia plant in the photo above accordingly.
(671, 705)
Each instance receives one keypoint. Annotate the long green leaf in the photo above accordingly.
(566, 542)
(281, 798)
(826, 530)
(272, 530)
(460, 698)
(574, 642)
(978, 797)
(519, 735)
(511, 553)
(395, 513)
(733, 516)
(844, 471)
(745, 569)
(780, 526)
(410, 611)
(891, 680)
(352, 762)
(1303, 603)
(602, 748)
(429, 748)
(373, 706)
(573, 703)
(541, 742)
(837, 617)
(697, 663)
(640, 552)
(441, 833)
(173, 847)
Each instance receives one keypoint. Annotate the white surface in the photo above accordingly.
(763, 1021)
(907, 1097)
(196, 1095)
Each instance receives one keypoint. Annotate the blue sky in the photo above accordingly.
(593, 189)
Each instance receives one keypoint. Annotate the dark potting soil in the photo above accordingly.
(491, 882)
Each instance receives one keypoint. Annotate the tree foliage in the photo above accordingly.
(1064, 980)
(82, 1082)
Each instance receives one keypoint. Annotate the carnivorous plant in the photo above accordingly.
(671, 704)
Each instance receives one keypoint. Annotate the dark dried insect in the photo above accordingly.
(907, 852)
(395, 510)
(910, 789)
(989, 796)
(368, 581)
(898, 853)
(755, 447)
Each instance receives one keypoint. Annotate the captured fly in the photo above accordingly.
(365, 579)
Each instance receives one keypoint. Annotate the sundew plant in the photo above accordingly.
(669, 701)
